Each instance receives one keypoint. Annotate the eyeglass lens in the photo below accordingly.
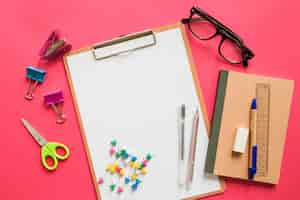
(204, 30)
(230, 51)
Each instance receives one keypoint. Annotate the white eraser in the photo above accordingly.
(241, 138)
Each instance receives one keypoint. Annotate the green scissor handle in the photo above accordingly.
(49, 150)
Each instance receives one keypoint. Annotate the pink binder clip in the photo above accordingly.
(55, 100)
(54, 47)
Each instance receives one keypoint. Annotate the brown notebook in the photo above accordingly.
(232, 110)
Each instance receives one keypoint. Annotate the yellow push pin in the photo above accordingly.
(136, 165)
(133, 176)
(112, 170)
(116, 164)
(108, 168)
(144, 171)
(122, 172)
(131, 164)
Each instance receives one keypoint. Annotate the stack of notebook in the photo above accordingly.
(232, 110)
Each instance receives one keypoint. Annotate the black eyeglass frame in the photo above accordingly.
(222, 30)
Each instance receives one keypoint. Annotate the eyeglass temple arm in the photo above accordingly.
(185, 20)
(247, 55)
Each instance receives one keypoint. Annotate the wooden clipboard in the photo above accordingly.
(199, 94)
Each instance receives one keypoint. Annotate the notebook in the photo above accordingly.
(134, 98)
(232, 110)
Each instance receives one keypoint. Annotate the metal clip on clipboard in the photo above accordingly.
(124, 45)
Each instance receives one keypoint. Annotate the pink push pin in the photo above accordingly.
(120, 190)
(145, 162)
(112, 151)
(100, 181)
(55, 100)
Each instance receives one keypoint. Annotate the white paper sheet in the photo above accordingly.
(135, 98)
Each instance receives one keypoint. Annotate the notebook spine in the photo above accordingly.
(216, 122)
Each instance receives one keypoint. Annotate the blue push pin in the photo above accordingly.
(35, 76)
(125, 156)
(134, 186)
(138, 181)
(133, 158)
(127, 180)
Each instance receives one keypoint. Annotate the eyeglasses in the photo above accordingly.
(205, 27)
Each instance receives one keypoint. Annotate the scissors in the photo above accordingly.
(48, 149)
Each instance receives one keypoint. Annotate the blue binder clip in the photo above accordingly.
(35, 76)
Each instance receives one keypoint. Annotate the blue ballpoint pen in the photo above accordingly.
(253, 145)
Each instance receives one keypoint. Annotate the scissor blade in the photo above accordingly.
(35, 134)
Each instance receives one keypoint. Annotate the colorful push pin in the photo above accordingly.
(115, 164)
(54, 47)
(113, 168)
(55, 100)
(100, 181)
(133, 176)
(119, 190)
(122, 172)
(125, 156)
(144, 163)
(136, 165)
(112, 151)
(118, 169)
(138, 181)
(144, 171)
(134, 186)
(141, 167)
(133, 158)
(112, 187)
(113, 143)
(118, 155)
(35, 76)
(123, 151)
(148, 156)
(131, 164)
(126, 180)
(108, 167)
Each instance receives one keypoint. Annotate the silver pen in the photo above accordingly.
(192, 152)
(181, 130)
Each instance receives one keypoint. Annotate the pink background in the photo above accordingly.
(269, 27)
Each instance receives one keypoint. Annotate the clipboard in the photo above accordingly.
(123, 52)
